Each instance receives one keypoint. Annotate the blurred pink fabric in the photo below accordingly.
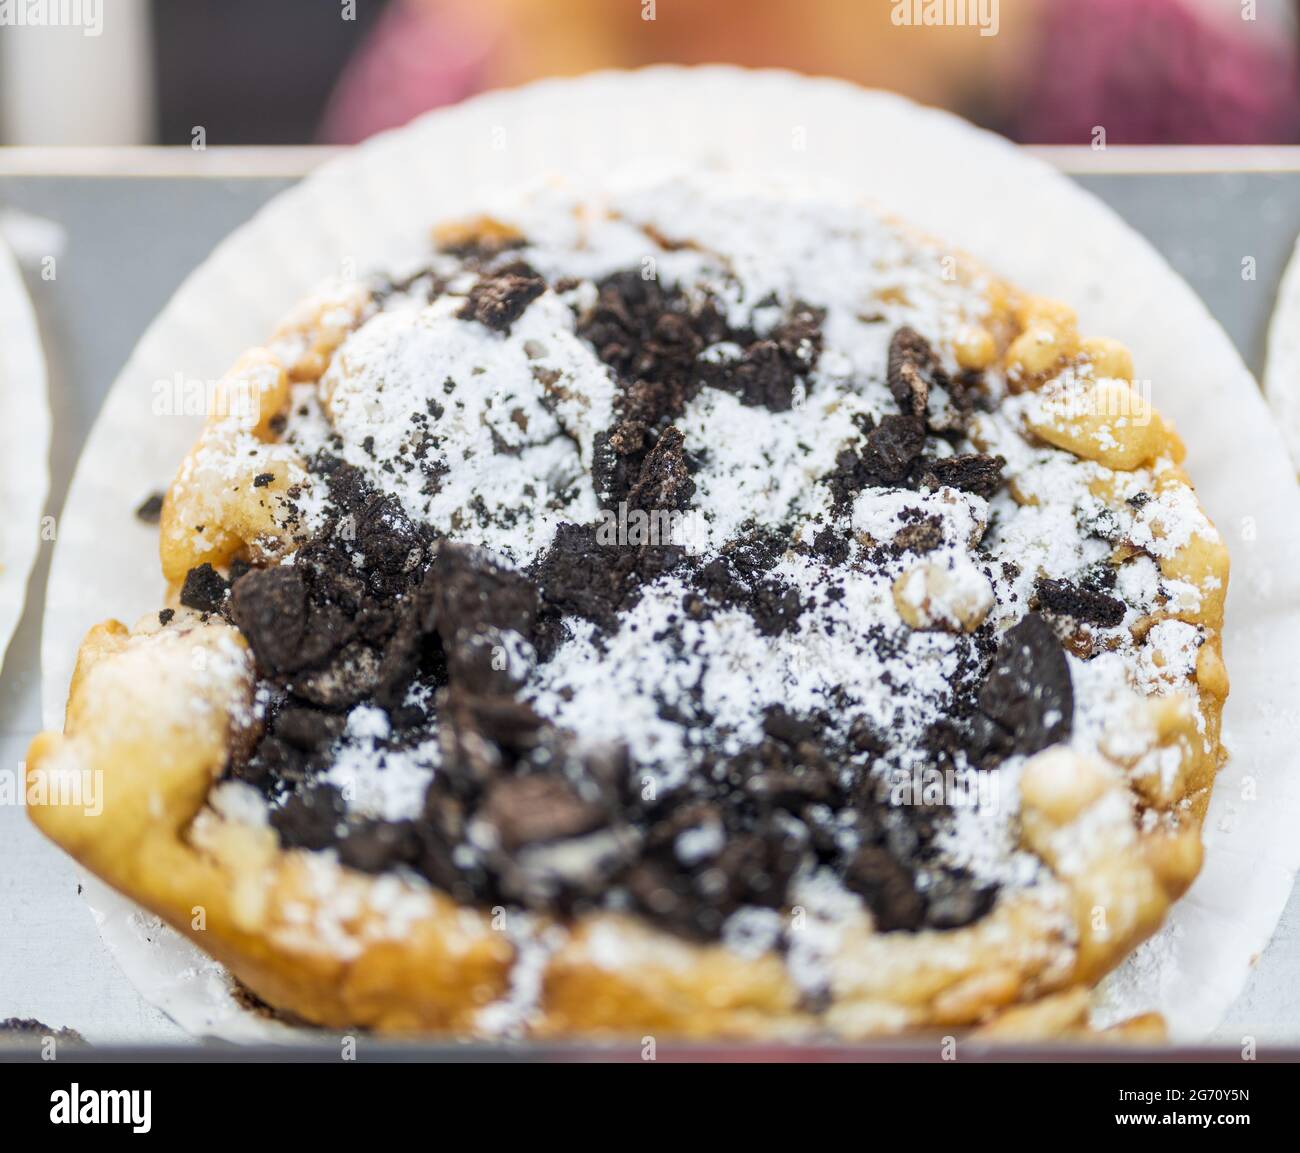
(1159, 72)
(1148, 71)
(417, 57)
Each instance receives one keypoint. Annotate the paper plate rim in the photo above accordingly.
(314, 190)
(1282, 359)
(25, 432)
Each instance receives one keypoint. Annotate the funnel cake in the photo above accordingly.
(691, 608)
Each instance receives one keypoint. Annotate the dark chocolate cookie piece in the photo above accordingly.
(664, 482)
(375, 846)
(884, 459)
(1084, 605)
(535, 809)
(695, 896)
(650, 336)
(771, 370)
(311, 818)
(348, 678)
(306, 728)
(468, 588)
(149, 511)
(888, 888)
(1027, 700)
(270, 608)
(891, 448)
(584, 574)
(727, 581)
(482, 611)
(499, 298)
(973, 472)
(913, 371)
(204, 589)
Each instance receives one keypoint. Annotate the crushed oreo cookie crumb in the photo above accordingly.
(1027, 701)
(204, 589)
(499, 298)
(1085, 605)
(150, 509)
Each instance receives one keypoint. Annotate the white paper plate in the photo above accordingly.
(374, 207)
(24, 444)
(1282, 372)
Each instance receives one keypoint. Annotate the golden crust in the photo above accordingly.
(155, 714)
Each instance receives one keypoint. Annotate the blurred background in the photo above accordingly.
(336, 71)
